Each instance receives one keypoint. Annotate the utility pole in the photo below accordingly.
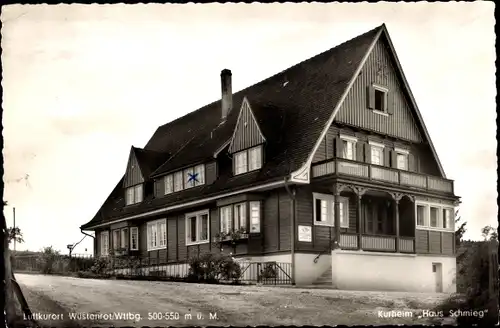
(14, 228)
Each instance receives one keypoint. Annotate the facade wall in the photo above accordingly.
(391, 272)
(133, 174)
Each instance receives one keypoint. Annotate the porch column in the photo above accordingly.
(336, 195)
(397, 197)
(360, 223)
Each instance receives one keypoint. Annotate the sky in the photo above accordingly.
(83, 83)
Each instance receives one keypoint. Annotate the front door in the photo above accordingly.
(437, 271)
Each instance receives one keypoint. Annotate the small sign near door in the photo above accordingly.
(305, 233)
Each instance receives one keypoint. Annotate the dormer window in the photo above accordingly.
(184, 179)
(248, 160)
(134, 195)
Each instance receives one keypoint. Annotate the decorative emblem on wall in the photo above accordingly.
(381, 69)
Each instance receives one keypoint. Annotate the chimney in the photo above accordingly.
(227, 93)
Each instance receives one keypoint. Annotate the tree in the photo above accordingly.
(15, 234)
(459, 233)
(489, 233)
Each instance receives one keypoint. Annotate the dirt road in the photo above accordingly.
(63, 301)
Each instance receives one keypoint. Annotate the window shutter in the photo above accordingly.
(370, 97)
(338, 147)
(387, 157)
(368, 155)
(412, 164)
(394, 160)
(359, 151)
(390, 102)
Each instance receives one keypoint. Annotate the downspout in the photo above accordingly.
(93, 244)
(291, 194)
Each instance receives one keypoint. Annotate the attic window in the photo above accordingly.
(378, 99)
(184, 179)
(247, 160)
(133, 195)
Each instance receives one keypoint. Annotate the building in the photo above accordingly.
(333, 146)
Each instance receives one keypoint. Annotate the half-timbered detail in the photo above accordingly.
(332, 172)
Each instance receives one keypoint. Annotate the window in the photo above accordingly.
(240, 217)
(104, 243)
(116, 239)
(401, 158)
(124, 238)
(349, 147)
(133, 195)
(134, 239)
(169, 184)
(226, 222)
(377, 153)
(324, 210)
(380, 99)
(421, 215)
(189, 178)
(248, 160)
(240, 162)
(199, 173)
(197, 227)
(434, 217)
(178, 181)
(254, 216)
(157, 234)
(255, 158)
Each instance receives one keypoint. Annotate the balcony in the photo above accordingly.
(376, 173)
(377, 243)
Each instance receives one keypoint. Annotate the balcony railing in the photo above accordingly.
(381, 174)
(377, 243)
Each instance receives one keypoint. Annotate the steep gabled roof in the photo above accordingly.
(298, 98)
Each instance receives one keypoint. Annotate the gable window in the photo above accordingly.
(124, 238)
(240, 217)
(324, 210)
(189, 178)
(133, 195)
(157, 234)
(248, 160)
(169, 184)
(348, 147)
(104, 243)
(377, 153)
(380, 101)
(401, 158)
(134, 239)
(255, 216)
(226, 220)
(197, 227)
(199, 174)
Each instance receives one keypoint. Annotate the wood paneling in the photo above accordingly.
(284, 221)
(422, 241)
(247, 133)
(270, 223)
(354, 110)
(447, 241)
(210, 172)
(133, 175)
(435, 242)
(172, 239)
(181, 237)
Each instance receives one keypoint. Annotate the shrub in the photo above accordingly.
(212, 267)
(101, 265)
(48, 259)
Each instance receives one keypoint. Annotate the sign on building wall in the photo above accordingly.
(305, 233)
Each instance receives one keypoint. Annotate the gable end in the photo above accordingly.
(247, 132)
(133, 174)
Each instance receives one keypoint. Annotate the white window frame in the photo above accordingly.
(226, 218)
(439, 210)
(404, 153)
(254, 158)
(200, 171)
(243, 161)
(156, 234)
(178, 177)
(352, 142)
(124, 238)
(116, 241)
(104, 241)
(255, 220)
(199, 221)
(134, 231)
(239, 216)
(134, 194)
(427, 212)
(386, 98)
(168, 184)
(330, 206)
(380, 147)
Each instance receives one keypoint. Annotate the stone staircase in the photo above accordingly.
(325, 279)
